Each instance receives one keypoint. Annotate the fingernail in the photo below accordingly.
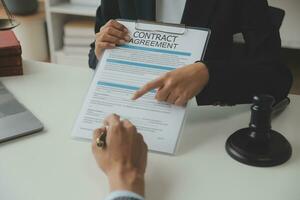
(122, 41)
(127, 38)
(133, 97)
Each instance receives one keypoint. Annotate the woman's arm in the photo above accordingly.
(259, 71)
(108, 32)
(93, 61)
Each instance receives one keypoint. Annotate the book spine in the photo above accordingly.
(10, 52)
(10, 61)
(80, 33)
(78, 41)
(11, 71)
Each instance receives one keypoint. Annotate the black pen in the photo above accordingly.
(101, 141)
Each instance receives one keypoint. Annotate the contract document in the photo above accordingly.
(154, 49)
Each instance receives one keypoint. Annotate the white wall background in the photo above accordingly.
(290, 30)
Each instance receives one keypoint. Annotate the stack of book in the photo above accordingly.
(10, 54)
(78, 35)
(86, 2)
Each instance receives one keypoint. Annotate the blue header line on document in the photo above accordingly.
(181, 53)
(140, 64)
(128, 87)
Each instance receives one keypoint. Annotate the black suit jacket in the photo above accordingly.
(233, 79)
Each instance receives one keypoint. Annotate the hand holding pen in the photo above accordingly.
(121, 153)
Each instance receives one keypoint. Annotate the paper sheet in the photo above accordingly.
(125, 69)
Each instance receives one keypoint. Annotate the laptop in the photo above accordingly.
(15, 119)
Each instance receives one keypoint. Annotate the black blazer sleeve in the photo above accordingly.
(260, 71)
(93, 61)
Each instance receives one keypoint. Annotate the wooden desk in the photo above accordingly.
(51, 165)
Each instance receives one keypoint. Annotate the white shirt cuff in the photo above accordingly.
(123, 193)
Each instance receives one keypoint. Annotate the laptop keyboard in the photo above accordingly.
(8, 104)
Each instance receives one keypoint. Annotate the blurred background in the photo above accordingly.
(60, 31)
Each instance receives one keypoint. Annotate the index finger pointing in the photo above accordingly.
(149, 86)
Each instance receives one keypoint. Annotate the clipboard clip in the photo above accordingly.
(139, 22)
